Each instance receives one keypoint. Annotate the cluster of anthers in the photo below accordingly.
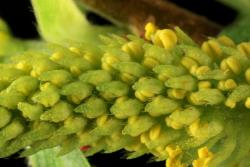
(162, 95)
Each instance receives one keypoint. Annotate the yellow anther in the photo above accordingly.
(75, 70)
(106, 66)
(172, 162)
(212, 48)
(147, 94)
(133, 119)
(128, 78)
(176, 93)
(247, 75)
(244, 48)
(229, 84)
(234, 64)
(224, 66)
(247, 103)
(154, 132)
(165, 38)
(225, 40)
(204, 152)
(150, 29)
(143, 95)
(100, 121)
(134, 49)
(205, 156)
(206, 48)
(192, 129)
(163, 77)
(150, 62)
(173, 124)
(202, 70)
(140, 96)
(144, 138)
(230, 104)
(111, 60)
(56, 56)
(121, 99)
(188, 62)
(34, 73)
(231, 64)
(173, 151)
(23, 66)
(204, 85)
(75, 50)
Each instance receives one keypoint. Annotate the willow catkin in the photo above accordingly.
(164, 96)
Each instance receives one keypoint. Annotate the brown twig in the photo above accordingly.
(136, 13)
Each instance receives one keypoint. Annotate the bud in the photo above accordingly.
(161, 106)
(92, 108)
(60, 112)
(126, 107)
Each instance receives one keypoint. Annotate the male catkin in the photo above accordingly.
(163, 95)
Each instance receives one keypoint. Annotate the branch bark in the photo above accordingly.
(136, 13)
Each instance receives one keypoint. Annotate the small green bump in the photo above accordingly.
(5, 117)
(96, 77)
(240, 93)
(77, 91)
(92, 108)
(75, 64)
(207, 97)
(106, 125)
(125, 107)
(216, 74)
(180, 118)
(30, 111)
(161, 106)
(196, 54)
(11, 131)
(147, 88)
(48, 96)
(113, 89)
(40, 64)
(205, 130)
(137, 125)
(25, 85)
(72, 125)
(60, 112)
(134, 49)
(10, 99)
(118, 141)
(8, 74)
(158, 55)
(56, 77)
(133, 69)
(185, 82)
(165, 72)
(87, 138)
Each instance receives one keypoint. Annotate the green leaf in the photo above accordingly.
(49, 158)
(60, 21)
(240, 29)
